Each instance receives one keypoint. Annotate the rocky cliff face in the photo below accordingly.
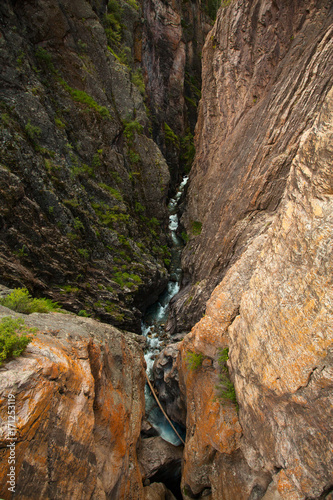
(266, 71)
(83, 187)
(260, 216)
(173, 37)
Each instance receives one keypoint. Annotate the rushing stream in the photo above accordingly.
(153, 326)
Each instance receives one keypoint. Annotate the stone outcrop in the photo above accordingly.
(268, 221)
(267, 66)
(79, 402)
(160, 461)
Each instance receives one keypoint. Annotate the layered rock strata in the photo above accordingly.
(267, 67)
(274, 310)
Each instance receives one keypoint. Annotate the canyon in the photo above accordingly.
(99, 105)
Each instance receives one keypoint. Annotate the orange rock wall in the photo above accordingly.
(79, 403)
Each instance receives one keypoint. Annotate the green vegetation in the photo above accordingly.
(170, 136)
(185, 237)
(21, 301)
(109, 216)
(32, 131)
(84, 253)
(225, 388)
(132, 127)
(196, 227)
(112, 23)
(187, 151)
(194, 360)
(114, 193)
(84, 98)
(83, 313)
(14, 337)
(59, 123)
(44, 58)
(137, 80)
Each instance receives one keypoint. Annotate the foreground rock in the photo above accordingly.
(79, 399)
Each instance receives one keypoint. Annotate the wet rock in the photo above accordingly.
(166, 380)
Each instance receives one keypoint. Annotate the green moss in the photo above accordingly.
(59, 124)
(32, 131)
(83, 98)
(185, 237)
(196, 227)
(14, 337)
(84, 253)
(137, 80)
(44, 58)
(114, 193)
(71, 203)
(131, 128)
(187, 151)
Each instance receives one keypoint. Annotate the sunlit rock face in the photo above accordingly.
(261, 189)
(261, 91)
(79, 402)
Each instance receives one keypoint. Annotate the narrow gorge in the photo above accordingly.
(166, 194)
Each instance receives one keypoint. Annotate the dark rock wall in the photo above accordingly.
(83, 188)
(173, 37)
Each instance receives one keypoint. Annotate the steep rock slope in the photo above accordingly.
(79, 401)
(267, 66)
(260, 217)
(274, 311)
(83, 187)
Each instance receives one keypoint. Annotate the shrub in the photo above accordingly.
(83, 313)
(137, 80)
(225, 389)
(13, 337)
(194, 360)
(21, 301)
(130, 128)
